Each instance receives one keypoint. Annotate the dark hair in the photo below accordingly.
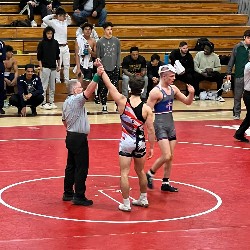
(134, 49)
(9, 48)
(87, 25)
(246, 33)
(136, 84)
(183, 43)
(107, 24)
(49, 28)
(27, 66)
(210, 45)
(155, 57)
(60, 11)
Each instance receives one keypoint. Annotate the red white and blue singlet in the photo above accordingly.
(132, 143)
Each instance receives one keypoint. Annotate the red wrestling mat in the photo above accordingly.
(210, 211)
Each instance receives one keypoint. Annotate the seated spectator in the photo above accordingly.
(207, 67)
(85, 8)
(42, 7)
(134, 65)
(152, 71)
(30, 92)
(11, 71)
(182, 54)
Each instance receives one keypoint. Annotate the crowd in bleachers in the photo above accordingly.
(204, 66)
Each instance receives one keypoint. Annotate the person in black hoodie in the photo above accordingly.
(48, 55)
(30, 91)
(182, 54)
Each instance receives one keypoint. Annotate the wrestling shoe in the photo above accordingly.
(141, 202)
(124, 208)
(168, 188)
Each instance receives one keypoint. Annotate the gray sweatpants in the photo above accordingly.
(238, 92)
(48, 77)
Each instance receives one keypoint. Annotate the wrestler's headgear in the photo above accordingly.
(166, 68)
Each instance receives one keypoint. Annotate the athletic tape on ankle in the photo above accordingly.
(96, 78)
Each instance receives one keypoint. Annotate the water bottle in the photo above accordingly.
(166, 58)
(86, 49)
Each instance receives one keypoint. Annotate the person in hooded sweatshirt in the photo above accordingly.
(48, 56)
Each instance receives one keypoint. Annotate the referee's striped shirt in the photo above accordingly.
(75, 114)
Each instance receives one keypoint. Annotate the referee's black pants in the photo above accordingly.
(77, 164)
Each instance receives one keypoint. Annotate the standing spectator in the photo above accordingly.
(240, 133)
(239, 58)
(161, 99)
(134, 114)
(108, 49)
(207, 67)
(48, 55)
(2, 90)
(60, 21)
(85, 51)
(86, 8)
(152, 71)
(11, 71)
(30, 92)
(75, 119)
(134, 65)
(182, 54)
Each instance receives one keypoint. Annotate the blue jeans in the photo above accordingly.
(80, 17)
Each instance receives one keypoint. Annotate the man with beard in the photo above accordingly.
(239, 58)
(182, 54)
(207, 67)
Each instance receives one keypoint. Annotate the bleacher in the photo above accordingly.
(154, 26)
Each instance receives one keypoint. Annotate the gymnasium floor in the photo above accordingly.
(211, 170)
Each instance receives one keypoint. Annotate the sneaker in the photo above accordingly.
(33, 23)
(58, 81)
(105, 109)
(220, 99)
(46, 106)
(124, 208)
(236, 117)
(241, 138)
(150, 181)
(82, 202)
(97, 99)
(53, 106)
(2, 112)
(169, 188)
(140, 202)
(67, 197)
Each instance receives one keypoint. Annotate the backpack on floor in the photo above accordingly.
(21, 23)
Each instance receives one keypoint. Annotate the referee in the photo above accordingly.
(74, 118)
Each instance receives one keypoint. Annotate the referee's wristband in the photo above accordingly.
(96, 78)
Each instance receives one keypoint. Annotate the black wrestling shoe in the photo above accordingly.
(150, 181)
(168, 188)
(241, 138)
(82, 202)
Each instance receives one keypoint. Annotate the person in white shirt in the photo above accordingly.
(60, 21)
